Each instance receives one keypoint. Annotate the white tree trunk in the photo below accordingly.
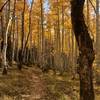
(4, 62)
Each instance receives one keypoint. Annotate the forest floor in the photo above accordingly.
(32, 84)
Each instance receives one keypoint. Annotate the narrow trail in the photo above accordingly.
(38, 84)
(25, 85)
(32, 84)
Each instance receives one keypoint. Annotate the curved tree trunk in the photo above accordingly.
(4, 61)
(86, 52)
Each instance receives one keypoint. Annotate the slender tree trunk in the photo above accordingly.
(86, 52)
(69, 43)
(30, 30)
(39, 42)
(7, 12)
(97, 32)
(58, 28)
(4, 62)
(62, 27)
(23, 32)
(13, 51)
(72, 47)
(22, 38)
(42, 28)
(88, 14)
(55, 37)
(29, 33)
(42, 33)
(17, 40)
(2, 32)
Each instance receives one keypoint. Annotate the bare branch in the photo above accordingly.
(3, 6)
(92, 6)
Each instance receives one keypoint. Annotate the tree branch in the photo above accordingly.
(3, 6)
(92, 5)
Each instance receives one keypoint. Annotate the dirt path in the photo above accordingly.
(32, 84)
(38, 86)
(25, 85)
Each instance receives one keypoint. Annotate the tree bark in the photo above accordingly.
(42, 27)
(13, 51)
(4, 5)
(17, 39)
(62, 27)
(86, 52)
(23, 31)
(58, 28)
(22, 37)
(4, 62)
(97, 32)
(30, 30)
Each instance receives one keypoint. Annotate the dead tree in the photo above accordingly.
(86, 52)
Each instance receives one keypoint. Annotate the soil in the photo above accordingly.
(32, 84)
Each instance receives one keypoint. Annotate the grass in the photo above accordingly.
(32, 84)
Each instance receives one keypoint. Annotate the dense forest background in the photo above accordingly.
(49, 50)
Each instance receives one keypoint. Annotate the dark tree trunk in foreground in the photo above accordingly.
(86, 52)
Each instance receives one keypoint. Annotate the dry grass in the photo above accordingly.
(32, 84)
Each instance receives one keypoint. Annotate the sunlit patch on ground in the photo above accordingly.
(32, 84)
